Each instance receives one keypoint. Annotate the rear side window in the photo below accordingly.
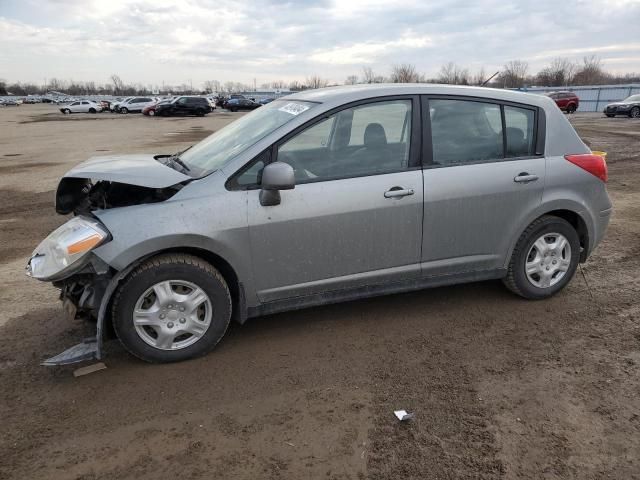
(519, 124)
(465, 131)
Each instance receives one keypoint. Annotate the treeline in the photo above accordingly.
(561, 72)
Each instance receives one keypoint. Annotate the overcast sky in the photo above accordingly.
(177, 41)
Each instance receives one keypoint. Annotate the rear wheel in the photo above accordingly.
(152, 113)
(171, 308)
(200, 112)
(610, 115)
(545, 258)
(635, 112)
(571, 108)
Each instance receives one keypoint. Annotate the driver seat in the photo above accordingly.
(376, 149)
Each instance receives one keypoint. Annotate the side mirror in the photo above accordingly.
(275, 177)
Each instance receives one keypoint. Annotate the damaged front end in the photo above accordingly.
(67, 256)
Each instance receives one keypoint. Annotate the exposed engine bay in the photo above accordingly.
(82, 196)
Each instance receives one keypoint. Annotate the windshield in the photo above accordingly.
(228, 142)
(632, 98)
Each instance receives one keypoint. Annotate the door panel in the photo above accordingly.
(336, 234)
(475, 198)
(472, 211)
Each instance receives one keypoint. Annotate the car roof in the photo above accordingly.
(348, 93)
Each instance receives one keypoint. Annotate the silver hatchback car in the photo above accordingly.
(323, 196)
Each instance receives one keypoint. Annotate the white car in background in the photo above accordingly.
(115, 105)
(135, 104)
(81, 106)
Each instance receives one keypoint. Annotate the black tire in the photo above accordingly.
(171, 267)
(233, 109)
(516, 279)
(124, 110)
(92, 110)
(200, 112)
(610, 115)
(571, 109)
(67, 111)
(634, 112)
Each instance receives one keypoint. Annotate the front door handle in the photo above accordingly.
(397, 192)
(525, 177)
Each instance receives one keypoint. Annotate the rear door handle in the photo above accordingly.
(525, 177)
(397, 192)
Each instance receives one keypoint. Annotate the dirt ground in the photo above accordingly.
(500, 387)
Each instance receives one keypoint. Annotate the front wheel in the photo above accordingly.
(151, 113)
(171, 308)
(610, 115)
(92, 110)
(571, 109)
(545, 258)
(66, 111)
(635, 112)
(124, 110)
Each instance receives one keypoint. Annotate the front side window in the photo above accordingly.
(364, 140)
(465, 131)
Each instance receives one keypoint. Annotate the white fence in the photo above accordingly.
(593, 98)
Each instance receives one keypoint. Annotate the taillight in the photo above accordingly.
(594, 164)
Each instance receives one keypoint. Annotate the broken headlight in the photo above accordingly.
(64, 249)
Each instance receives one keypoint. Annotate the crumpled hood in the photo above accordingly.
(142, 170)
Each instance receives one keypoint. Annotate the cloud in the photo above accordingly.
(174, 40)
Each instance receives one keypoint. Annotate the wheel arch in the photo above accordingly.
(573, 215)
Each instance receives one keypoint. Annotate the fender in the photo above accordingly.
(550, 206)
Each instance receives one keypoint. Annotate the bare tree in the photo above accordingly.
(591, 72)
(277, 84)
(453, 74)
(514, 74)
(211, 86)
(479, 77)
(118, 84)
(351, 80)
(405, 73)
(560, 72)
(315, 81)
(295, 85)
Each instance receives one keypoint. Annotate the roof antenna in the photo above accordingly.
(489, 79)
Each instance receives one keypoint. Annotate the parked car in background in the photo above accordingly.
(264, 101)
(630, 107)
(237, 104)
(31, 100)
(81, 106)
(135, 104)
(115, 105)
(245, 222)
(185, 105)
(10, 103)
(566, 101)
(151, 109)
(212, 102)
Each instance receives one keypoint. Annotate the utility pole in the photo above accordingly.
(254, 85)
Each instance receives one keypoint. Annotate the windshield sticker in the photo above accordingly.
(294, 108)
